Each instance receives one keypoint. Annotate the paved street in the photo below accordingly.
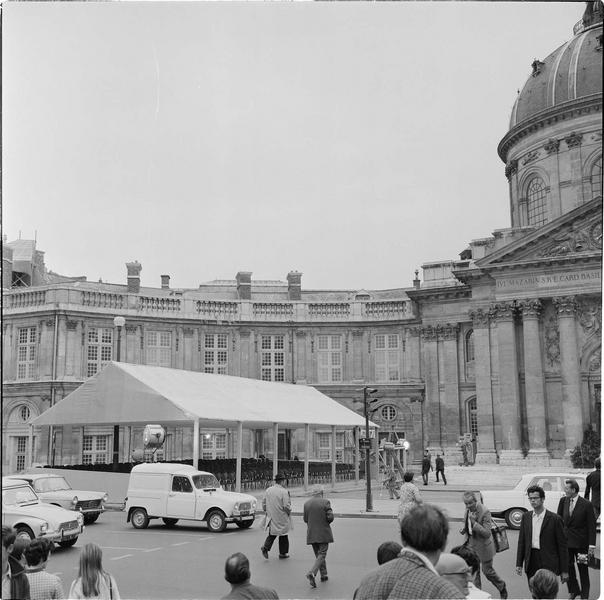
(188, 561)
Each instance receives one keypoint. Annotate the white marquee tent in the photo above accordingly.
(126, 394)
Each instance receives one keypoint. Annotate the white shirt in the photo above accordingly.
(537, 522)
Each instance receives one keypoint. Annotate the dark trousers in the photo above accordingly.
(425, 477)
(573, 584)
(283, 543)
(320, 565)
(442, 472)
(534, 563)
(490, 573)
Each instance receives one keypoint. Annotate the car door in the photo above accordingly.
(181, 498)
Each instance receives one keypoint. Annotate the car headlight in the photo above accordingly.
(254, 501)
(75, 501)
(44, 527)
(80, 519)
(105, 498)
(236, 507)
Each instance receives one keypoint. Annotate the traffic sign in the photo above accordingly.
(365, 443)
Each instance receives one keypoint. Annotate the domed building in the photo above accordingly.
(501, 347)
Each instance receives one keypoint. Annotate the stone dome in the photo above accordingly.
(571, 72)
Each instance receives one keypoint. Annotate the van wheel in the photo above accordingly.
(24, 533)
(170, 522)
(139, 518)
(68, 543)
(245, 524)
(216, 521)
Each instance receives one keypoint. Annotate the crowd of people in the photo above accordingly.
(552, 548)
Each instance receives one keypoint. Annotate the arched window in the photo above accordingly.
(536, 194)
(24, 413)
(596, 178)
(470, 346)
(388, 413)
(473, 417)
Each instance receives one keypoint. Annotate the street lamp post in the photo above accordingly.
(368, 500)
(118, 322)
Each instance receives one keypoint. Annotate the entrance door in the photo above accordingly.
(284, 445)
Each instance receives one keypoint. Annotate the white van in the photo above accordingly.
(173, 492)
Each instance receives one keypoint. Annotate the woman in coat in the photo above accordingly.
(409, 495)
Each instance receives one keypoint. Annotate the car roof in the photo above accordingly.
(171, 468)
(13, 481)
(34, 476)
(567, 474)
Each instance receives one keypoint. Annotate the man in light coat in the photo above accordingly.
(277, 506)
(318, 516)
(477, 528)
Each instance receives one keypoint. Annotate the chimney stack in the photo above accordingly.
(134, 277)
(416, 281)
(294, 285)
(165, 282)
(244, 285)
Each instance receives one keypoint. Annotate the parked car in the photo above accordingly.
(32, 518)
(174, 491)
(512, 504)
(55, 489)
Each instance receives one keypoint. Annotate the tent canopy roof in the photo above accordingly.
(127, 394)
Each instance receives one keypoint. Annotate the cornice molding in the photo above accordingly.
(560, 112)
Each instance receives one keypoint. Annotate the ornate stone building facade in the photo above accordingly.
(503, 344)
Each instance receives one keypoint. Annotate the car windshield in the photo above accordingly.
(18, 495)
(51, 484)
(205, 481)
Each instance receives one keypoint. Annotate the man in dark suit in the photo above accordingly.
(593, 486)
(318, 516)
(412, 574)
(440, 468)
(580, 528)
(541, 540)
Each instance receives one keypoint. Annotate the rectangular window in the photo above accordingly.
(387, 357)
(215, 356)
(21, 452)
(26, 352)
(213, 445)
(324, 440)
(329, 358)
(272, 358)
(159, 348)
(99, 350)
(94, 449)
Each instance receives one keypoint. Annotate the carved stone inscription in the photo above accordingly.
(554, 281)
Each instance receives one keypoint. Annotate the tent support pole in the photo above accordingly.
(196, 443)
(333, 457)
(239, 453)
(356, 454)
(275, 449)
(306, 453)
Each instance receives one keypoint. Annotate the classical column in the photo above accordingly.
(451, 413)
(509, 391)
(534, 383)
(432, 398)
(569, 367)
(486, 450)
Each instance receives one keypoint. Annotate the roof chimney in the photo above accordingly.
(244, 285)
(294, 285)
(165, 282)
(416, 281)
(134, 277)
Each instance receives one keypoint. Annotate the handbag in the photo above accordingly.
(500, 538)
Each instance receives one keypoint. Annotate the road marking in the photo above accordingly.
(120, 548)
(119, 557)
(152, 549)
(180, 543)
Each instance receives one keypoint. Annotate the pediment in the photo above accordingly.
(574, 236)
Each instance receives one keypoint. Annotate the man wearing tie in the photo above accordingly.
(580, 528)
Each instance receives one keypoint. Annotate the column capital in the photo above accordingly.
(566, 306)
(429, 333)
(531, 308)
(131, 328)
(480, 317)
(511, 168)
(503, 311)
(551, 146)
(574, 140)
(72, 325)
(448, 331)
(414, 331)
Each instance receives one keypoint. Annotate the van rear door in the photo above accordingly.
(181, 498)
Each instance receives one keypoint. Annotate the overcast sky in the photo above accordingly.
(350, 141)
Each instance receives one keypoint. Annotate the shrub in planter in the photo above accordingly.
(585, 453)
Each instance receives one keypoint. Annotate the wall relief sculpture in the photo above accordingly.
(584, 236)
(551, 335)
